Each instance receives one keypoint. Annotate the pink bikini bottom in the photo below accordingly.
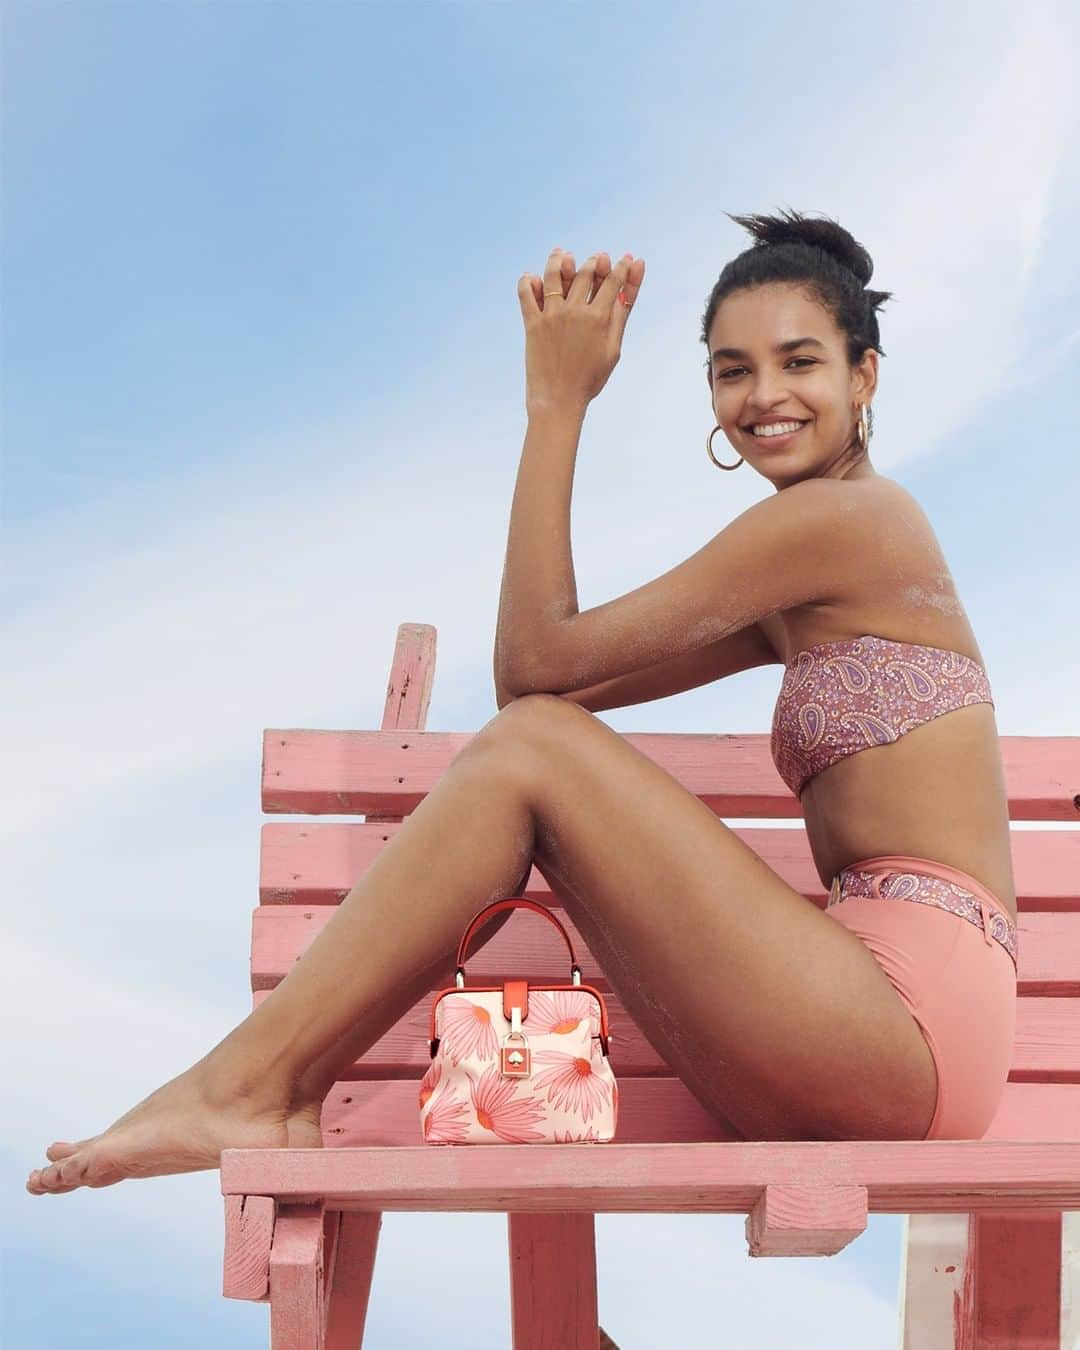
(951, 956)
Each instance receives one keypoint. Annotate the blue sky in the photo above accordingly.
(263, 400)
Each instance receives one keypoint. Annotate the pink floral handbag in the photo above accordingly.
(515, 1064)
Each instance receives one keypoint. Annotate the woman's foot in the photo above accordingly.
(182, 1127)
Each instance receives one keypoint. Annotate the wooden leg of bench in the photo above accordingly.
(992, 1278)
(348, 1278)
(297, 1283)
(1013, 1293)
(553, 1281)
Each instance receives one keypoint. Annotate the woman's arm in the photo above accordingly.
(539, 589)
(747, 648)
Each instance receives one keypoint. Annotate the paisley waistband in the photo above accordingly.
(926, 882)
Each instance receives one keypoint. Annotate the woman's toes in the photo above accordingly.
(61, 1149)
(65, 1175)
(49, 1178)
(36, 1187)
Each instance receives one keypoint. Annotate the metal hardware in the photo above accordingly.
(459, 977)
(515, 1061)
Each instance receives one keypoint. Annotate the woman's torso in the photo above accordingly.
(939, 791)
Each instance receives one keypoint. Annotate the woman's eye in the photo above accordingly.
(731, 370)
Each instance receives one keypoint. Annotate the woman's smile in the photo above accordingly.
(774, 439)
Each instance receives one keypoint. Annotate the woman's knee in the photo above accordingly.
(531, 718)
(521, 752)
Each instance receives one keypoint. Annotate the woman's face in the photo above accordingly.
(812, 383)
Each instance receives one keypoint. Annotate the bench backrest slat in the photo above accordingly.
(356, 772)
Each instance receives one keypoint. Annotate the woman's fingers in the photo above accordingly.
(583, 286)
(560, 274)
(634, 278)
(601, 273)
(626, 277)
(631, 284)
(557, 274)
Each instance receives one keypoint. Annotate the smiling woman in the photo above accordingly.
(811, 578)
(795, 258)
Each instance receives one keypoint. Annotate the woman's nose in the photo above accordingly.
(766, 392)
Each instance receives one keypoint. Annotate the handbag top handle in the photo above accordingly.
(517, 902)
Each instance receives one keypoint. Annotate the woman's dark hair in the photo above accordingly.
(818, 254)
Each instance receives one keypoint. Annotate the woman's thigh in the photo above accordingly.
(776, 1017)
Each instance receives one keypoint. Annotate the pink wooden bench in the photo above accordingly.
(302, 1225)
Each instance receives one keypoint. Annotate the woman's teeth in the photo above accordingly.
(777, 429)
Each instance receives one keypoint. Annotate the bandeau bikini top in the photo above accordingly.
(838, 698)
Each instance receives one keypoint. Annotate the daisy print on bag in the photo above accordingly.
(577, 1137)
(448, 1116)
(501, 1110)
(560, 1010)
(467, 1030)
(572, 1085)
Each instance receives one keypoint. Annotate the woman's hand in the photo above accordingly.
(573, 339)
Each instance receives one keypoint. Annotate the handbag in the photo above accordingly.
(515, 1063)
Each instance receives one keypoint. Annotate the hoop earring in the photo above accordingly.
(862, 428)
(708, 449)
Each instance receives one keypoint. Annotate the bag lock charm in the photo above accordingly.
(515, 1057)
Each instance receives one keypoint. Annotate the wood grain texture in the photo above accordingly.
(553, 1281)
(297, 1304)
(806, 1220)
(249, 1231)
(1011, 1297)
(349, 1278)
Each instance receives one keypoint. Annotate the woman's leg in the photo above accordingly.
(776, 1017)
(319, 1077)
(469, 842)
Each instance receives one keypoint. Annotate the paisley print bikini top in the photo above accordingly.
(838, 698)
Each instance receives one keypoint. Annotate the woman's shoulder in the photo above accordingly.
(901, 530)
(880, 498)
(900, 583)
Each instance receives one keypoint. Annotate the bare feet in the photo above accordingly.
(182, 1127)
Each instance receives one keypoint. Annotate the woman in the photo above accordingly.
(889, 1014)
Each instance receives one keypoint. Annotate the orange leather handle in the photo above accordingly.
(513, 903)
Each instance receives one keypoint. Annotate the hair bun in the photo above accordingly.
(793, 227)
(815, 254)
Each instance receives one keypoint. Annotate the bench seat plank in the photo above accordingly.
(934, 1176)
